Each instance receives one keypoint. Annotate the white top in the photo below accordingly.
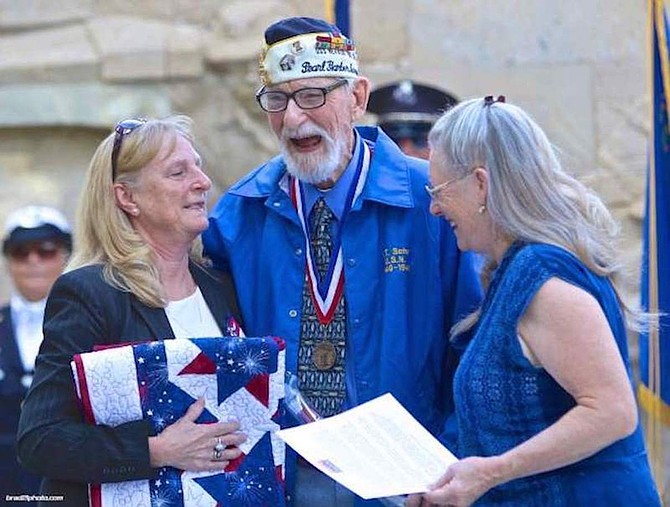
(191, 317)
(27, 318)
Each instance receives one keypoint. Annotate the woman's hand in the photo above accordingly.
(462, 484)
(195, 447)
(417, 500)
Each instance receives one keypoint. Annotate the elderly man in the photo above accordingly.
(36, 247)
(331, 246)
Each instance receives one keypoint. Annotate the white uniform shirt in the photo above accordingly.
(27, 318)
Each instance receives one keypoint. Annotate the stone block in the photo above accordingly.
(313, 8)
(129, 66)
(85, 104)
(221, 51)
(198, 12)
(622, 118)
(134, 49)
(185, 52)
(147, 9)
(380, 29)
(519, 32)
(15, 162)
(50, 54)
(559, 97)
(25, 14)
(248, 18)
(201, 12)
(238, 30)
(231, 134)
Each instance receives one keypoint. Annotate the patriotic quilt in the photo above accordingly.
(158, 381)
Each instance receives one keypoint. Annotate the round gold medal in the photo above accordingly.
(324, 355)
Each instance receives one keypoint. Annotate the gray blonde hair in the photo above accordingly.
(530, 197)
(103, 232)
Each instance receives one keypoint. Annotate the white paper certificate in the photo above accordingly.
(376, 449)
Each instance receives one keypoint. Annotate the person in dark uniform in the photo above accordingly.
(36, 246)
(406, 110)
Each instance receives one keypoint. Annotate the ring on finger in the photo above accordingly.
(220, 446)
(218, 449)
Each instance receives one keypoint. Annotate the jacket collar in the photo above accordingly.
(155, 319)
(388, 180)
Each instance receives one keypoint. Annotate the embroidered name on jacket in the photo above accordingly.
(396, 259)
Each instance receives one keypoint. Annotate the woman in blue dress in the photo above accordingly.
(544, 395)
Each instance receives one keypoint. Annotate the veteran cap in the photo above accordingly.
(302, 47)
(406, 109)
(36, 223)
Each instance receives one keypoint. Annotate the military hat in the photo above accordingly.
(406, 109)
(303, 47)
(36, 223)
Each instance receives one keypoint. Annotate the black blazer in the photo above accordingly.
(84, 311)
(13, 479)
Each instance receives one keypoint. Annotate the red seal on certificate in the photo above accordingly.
(324, 355)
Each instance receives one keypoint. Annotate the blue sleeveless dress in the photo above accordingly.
(502, 399)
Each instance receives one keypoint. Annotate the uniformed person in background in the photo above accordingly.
(36, 247)
(406, 111)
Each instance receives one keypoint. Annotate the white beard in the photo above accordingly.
(314, 167)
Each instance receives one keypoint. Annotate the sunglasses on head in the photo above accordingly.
(45, 250)
(123, 128)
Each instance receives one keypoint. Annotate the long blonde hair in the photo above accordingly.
(103, 232)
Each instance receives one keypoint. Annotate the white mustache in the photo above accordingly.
(303, 131)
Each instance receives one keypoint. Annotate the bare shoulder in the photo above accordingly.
(562, 314)
(558, 299)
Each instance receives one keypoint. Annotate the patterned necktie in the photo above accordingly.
(321, 241)
(322, 346)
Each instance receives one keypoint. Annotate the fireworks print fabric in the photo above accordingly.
(158, 381)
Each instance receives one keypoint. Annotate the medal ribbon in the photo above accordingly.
(326, 294)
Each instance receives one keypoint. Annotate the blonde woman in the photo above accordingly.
(134, 276)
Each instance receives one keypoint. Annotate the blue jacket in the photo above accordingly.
(406, 282)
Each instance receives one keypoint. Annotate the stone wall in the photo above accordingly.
(70, 69)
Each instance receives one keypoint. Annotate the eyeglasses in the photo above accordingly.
(45, 250)
(275, 101)
(433, 191)
(123, 128)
